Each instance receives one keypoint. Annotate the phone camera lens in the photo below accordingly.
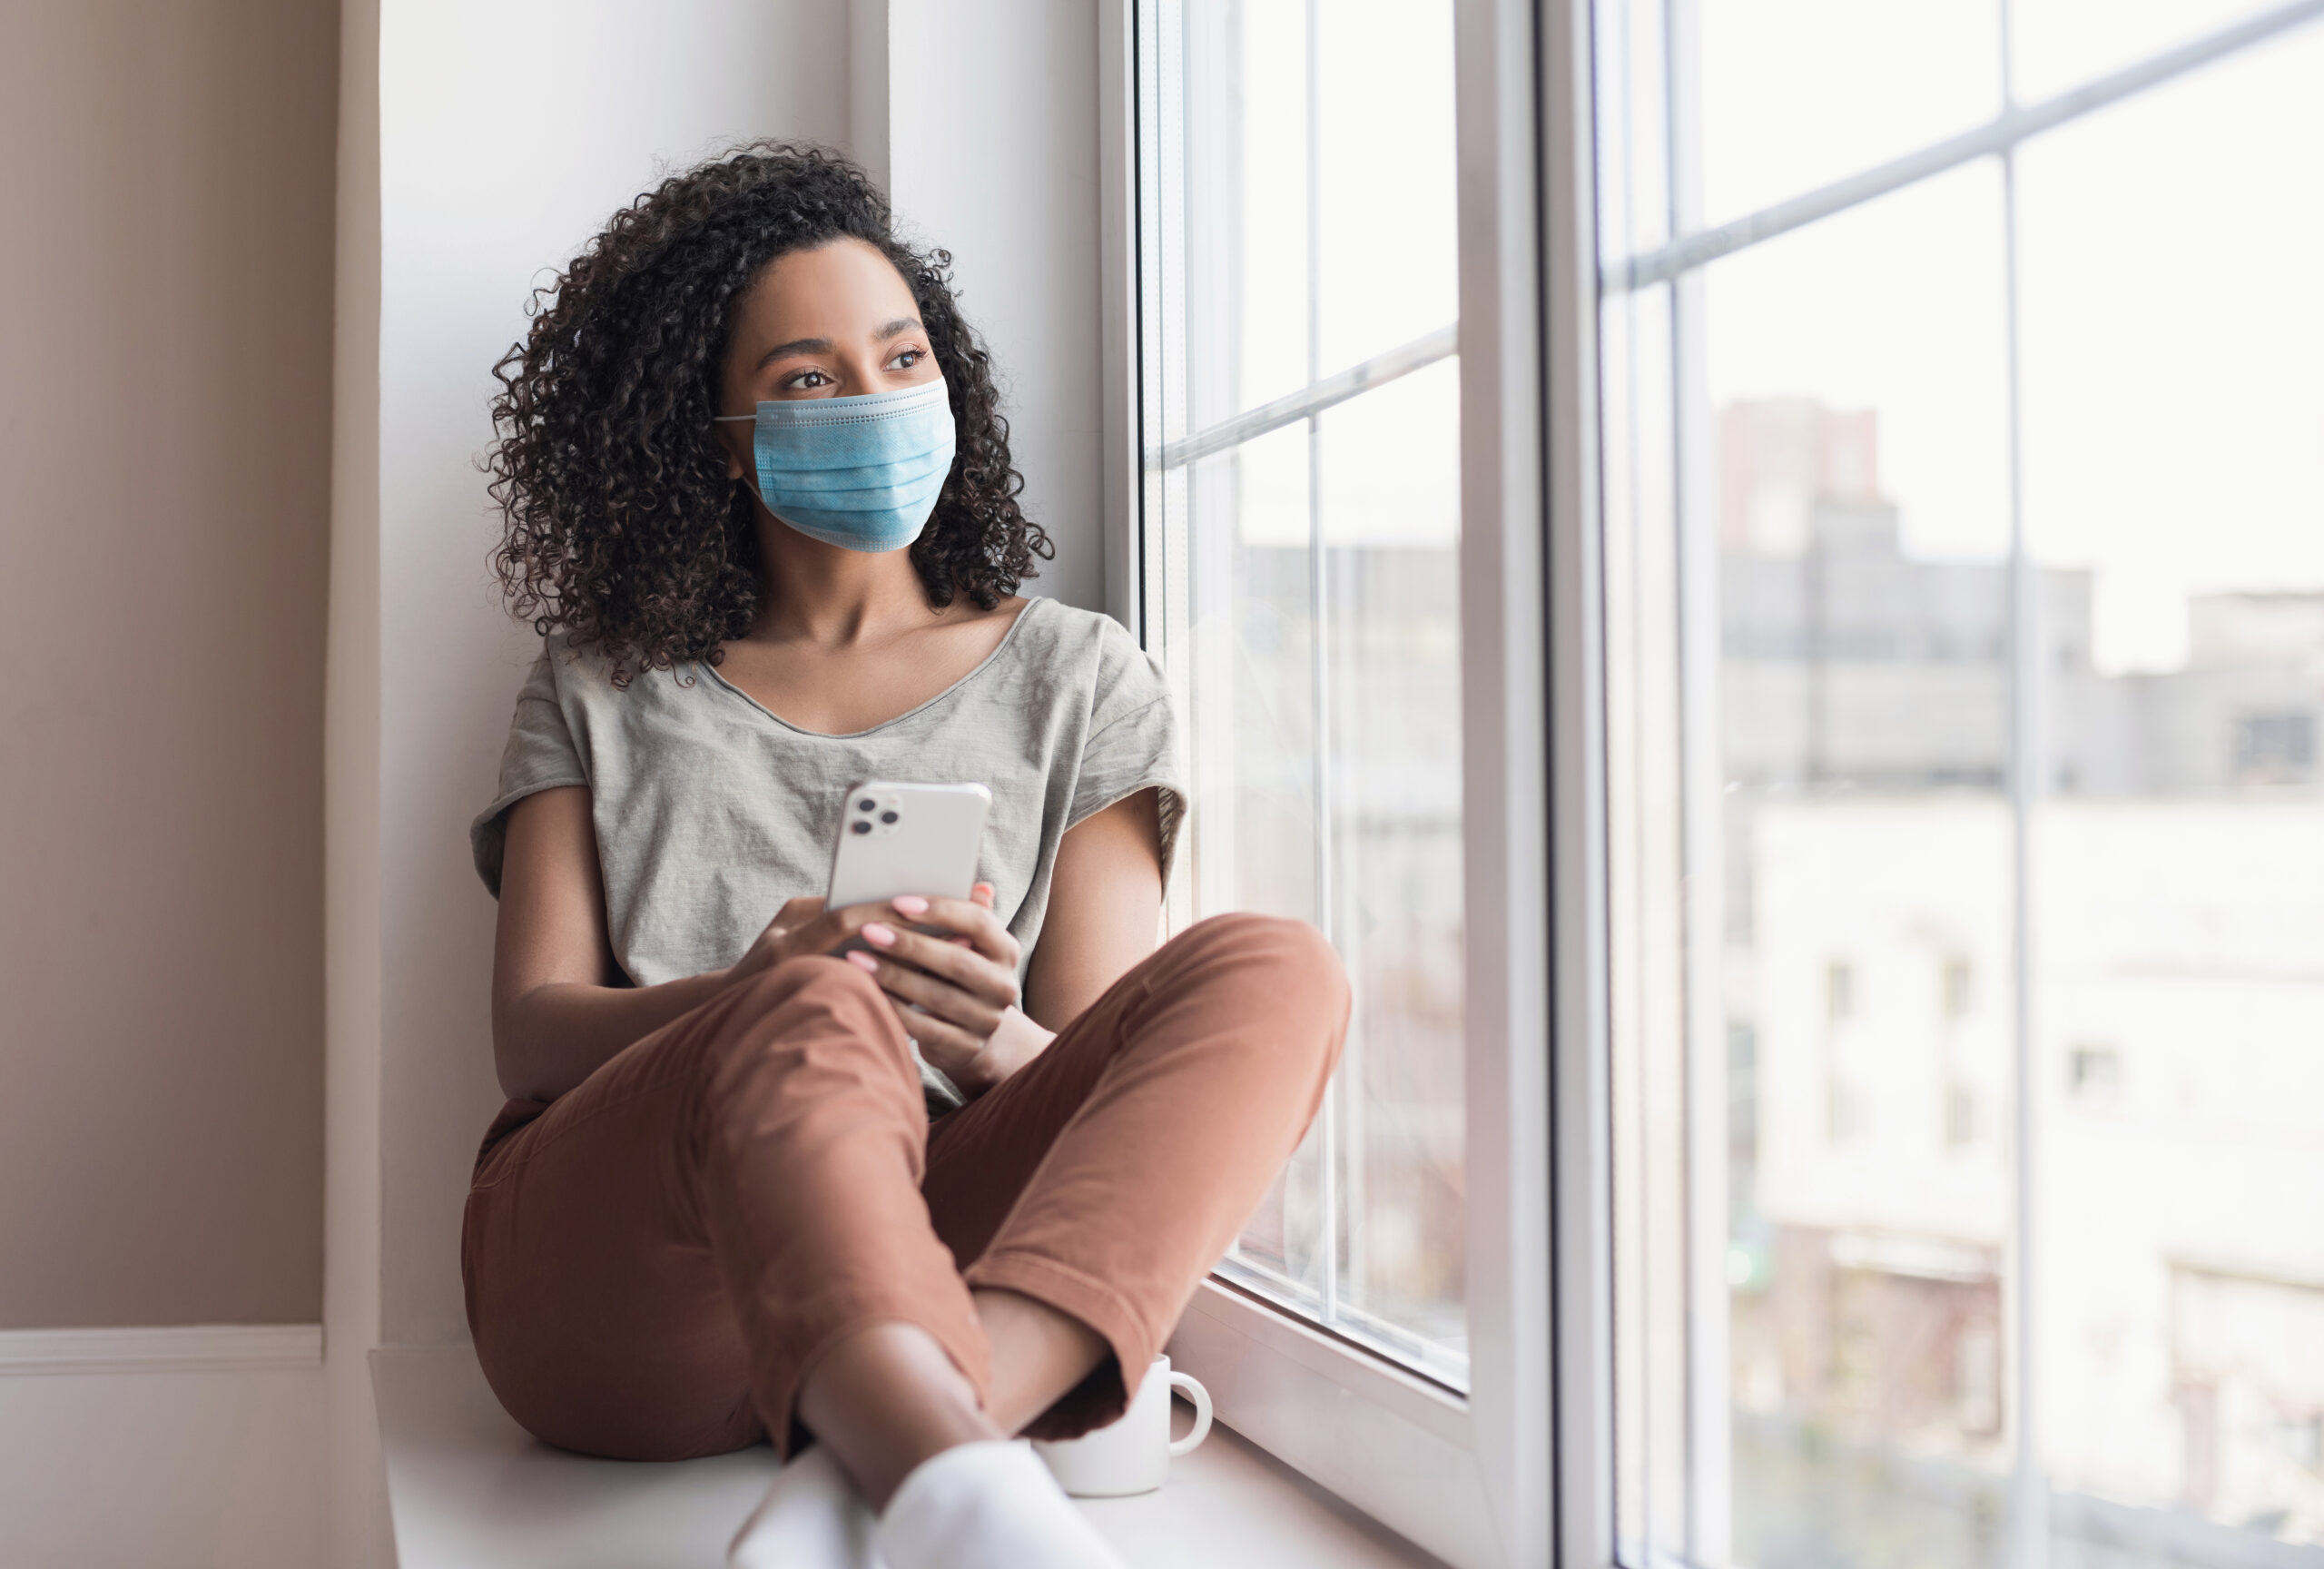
(860, 826)
(887, 816)
(865, 804)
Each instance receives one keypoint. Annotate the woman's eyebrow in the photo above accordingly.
(796, 346)
(823, 345)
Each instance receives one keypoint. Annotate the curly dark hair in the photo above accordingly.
(622, 528)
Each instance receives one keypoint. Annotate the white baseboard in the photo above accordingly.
(173, 1348)
(203, 1447)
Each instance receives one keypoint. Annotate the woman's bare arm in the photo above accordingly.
(555, 1019)
(557, 1015)
(1105, 909)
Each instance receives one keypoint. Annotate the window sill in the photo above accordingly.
(467, 1486)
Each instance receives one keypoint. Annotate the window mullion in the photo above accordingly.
(2028, 1486)
(1319, 670)
(1709, 1437)
(1320, 394)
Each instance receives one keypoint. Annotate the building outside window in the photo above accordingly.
(1964, 545)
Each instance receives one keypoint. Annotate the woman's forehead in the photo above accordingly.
(844, 286)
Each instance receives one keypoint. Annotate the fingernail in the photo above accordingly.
(961, 942)
(910, 904)
(879, 936)
(865, 963)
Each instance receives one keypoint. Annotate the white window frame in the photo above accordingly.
(1470, 1479)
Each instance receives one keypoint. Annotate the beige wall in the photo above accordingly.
(166, 335)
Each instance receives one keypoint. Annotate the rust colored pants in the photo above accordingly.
(654, 1259)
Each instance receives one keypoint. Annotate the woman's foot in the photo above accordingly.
(989, 1506)
(811, 1518)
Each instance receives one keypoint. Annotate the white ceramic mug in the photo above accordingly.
(1133, 1455)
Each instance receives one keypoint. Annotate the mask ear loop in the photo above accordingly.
(747, 477)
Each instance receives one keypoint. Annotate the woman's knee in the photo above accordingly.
(1283, 971)
(1292, 952)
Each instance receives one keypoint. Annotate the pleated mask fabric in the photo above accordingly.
(862, 472)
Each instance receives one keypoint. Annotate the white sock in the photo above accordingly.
(989, 1506)
(811, 1518)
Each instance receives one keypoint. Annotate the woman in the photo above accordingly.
(958, 1184)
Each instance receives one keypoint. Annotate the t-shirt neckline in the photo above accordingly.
(982, 664)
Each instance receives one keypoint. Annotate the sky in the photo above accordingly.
(2171, 327)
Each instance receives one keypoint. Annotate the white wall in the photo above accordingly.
(507, 133)
(480, 145)
(992, 145)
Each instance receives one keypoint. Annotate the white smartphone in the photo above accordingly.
(896, 837)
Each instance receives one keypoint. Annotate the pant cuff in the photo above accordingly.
(778, 1385)
(1104, 1394)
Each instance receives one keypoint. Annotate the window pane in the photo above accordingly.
(1387, 259)
(2061, 43)
(1302, 587)
(1797, 94)
(1857, 375)
(1313, 240)
(1390, 471)
(1250, 657)
(1249, 261)
(1812, 1079)
(1928, 754)
(2174, 435)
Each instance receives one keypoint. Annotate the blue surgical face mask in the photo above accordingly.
(861, 473)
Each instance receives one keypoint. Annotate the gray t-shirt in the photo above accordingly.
(710, 811)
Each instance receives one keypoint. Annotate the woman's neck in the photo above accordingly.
(815, 593)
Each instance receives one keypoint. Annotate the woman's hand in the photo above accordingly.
(957, 995)
(803, 927)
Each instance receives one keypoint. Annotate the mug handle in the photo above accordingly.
(1186, 1384)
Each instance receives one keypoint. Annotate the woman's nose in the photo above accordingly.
(863, 371)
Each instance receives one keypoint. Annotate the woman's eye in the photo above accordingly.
(906, 359)
(809, 380)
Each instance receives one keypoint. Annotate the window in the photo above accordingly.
(1957, 992)
(1960, 1122)
(1839, 990)
(1302, 502)
(2094, 1073)
(2274, 748)
(1330, 534)
(1962, 508)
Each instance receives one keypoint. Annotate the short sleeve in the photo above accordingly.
(1133, 740)
(540, 755)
